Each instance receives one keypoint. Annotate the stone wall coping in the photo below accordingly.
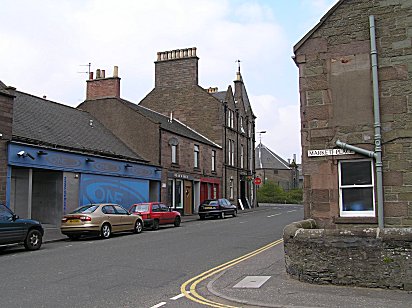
(307, 230)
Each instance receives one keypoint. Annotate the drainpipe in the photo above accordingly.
(377, 154)
(377, 125)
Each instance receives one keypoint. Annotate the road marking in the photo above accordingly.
(252, 282)
(291, 211)
(274, 215)
(242, 222)
(178, 296)
(193, 282)
(159, 305)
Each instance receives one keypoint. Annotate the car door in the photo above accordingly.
(11, 230)
(126, 220)
(156, 214)
(112, 217)
(167, 215)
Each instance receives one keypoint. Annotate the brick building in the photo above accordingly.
(355, 100)
(225, 117)
(6, 120)
(190, 164)
(56, 158)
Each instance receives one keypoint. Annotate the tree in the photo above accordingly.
(269, 192)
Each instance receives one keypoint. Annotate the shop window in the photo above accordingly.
(356, 188)
(179, 194)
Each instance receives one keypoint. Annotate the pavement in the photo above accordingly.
(238, 286)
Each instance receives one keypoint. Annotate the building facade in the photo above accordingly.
(59, 158)
(355, 93)
(225, 117)
(190, 163)
(270, 167)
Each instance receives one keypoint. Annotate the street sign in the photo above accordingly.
(258, 181)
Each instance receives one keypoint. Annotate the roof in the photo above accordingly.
(174, 126)
(221, 95)
(43, 122)
(266, 159)
(6, 90)
(322, 20)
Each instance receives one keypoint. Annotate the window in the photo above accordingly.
(356, 188)
(231, 188)
(196, 156)
(120, 210)
(241, 156)
(230, 118)
(233, 153)
(179, 194)
(213, 160)
(242, 130)
(174, 153)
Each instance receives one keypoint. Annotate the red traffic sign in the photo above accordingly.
(258, 181)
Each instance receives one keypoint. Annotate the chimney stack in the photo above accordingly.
(103, 87)
(176, 68)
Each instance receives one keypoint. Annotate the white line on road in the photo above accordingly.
(291, 211)
(274, 215)
(178, 296)
(159, 305)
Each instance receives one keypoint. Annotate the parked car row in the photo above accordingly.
(103, 220)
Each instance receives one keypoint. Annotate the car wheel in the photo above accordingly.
(138, 227)
(155, 225)
(106, 231)
(222, 215)
(202, 217)
(234, 213)
(177, 221)
(74, 237)
(33, 240)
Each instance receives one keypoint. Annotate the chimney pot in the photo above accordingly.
(115, 71)
(98, 73)
(103, 74)
(91, 76)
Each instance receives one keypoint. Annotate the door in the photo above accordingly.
(11, 231)
(167, 215)
(112, 217)
(188, 205)
(126, 220)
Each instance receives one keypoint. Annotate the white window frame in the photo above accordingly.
(213, 160)
(196, 156)
(233, 153)
(343, 213)
(231, 190)
(174, 153)
(241, 156)
(229, 151)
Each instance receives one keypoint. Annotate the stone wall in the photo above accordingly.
(364, 257)
(336, 103)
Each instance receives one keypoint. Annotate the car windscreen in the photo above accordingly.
(211, 202)
(85, 209)
(140, 208)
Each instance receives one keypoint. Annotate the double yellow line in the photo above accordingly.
(188, 289)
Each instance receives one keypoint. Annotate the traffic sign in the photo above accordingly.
(258, 181)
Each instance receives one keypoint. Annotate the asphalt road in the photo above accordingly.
(135, 270)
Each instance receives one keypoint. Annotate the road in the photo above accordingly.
(135, 270)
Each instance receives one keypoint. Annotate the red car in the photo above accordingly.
(155, 214)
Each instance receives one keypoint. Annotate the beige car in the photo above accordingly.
(99, 219)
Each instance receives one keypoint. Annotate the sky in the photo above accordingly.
(46, 45)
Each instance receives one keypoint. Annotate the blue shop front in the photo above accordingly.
(46, 183)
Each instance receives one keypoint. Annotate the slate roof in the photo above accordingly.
(175, 126)
(221, 95)
(267, 159)
(46, 123)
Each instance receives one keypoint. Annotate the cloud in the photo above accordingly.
(281, 122)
